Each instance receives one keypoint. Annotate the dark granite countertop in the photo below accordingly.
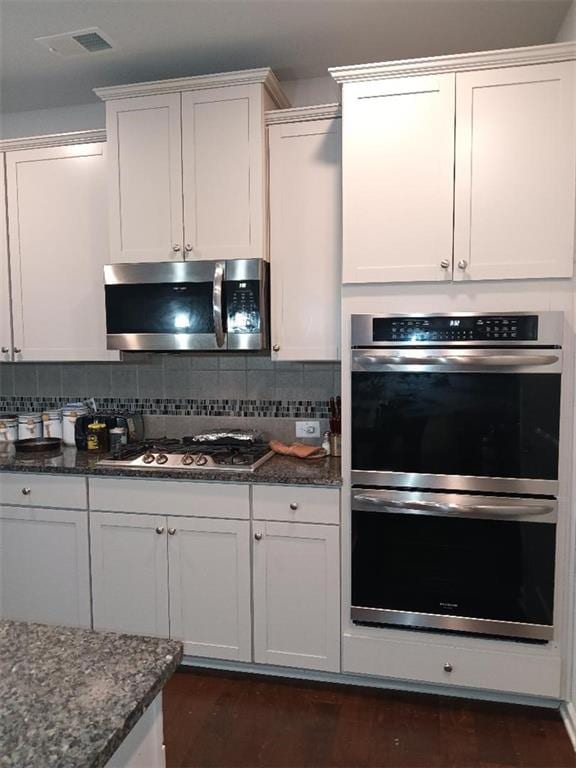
(280, 469)
(69, 697)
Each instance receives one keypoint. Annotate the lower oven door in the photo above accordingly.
(454, 562)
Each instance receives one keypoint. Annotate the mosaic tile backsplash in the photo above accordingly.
(177, 385)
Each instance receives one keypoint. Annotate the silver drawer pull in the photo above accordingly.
(160, 529)
(258, 536)
(26, 491)
(294, 506)
(448, 667)
(171, 531)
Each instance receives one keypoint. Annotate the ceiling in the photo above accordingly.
(297, 38)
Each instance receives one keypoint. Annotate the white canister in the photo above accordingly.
(52, 422)
(29, 426)
(70, 413)
(8, 428)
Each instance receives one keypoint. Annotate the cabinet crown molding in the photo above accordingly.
(264, 76)
(507, 57)
(53, 140)
(300, 114)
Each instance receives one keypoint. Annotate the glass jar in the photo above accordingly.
(29, 426)
(52, 423)
(70, 413)
(8, 428)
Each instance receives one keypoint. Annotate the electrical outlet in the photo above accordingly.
(307, 429)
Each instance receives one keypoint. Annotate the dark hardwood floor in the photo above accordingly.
(222, 720)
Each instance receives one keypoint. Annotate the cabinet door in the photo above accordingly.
(44, 566)
(144, 135)
(58, 247)
(129, 573)
(305, 239)
(223, 155)
(515, 172)
(5, 329)
(297, 595)
(210, 587)
(398, 184)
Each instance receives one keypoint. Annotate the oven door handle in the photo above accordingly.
(217, 303)
(458, 510)
(498, 360)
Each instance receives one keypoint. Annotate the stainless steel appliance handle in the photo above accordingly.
(467, 510)
(217, 303)
(510, 360)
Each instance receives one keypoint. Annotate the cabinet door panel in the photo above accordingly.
(145, 176)
(398, 165)
(57, 215)
(5, 329)
(515, 171)
(44, 566)
(210, 587)
(305, 239)
(129, 573)
(297, 595)
(222, 141)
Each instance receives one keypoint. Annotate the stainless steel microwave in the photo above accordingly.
(188, 305)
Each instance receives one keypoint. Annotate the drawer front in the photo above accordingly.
(43, 490)
(520, 673)
(299, 504)
(170, 497)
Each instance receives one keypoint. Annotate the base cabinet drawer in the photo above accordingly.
(170, 497)
(32, 490)
(44, 566)
(296, 504)
(520, 673)
(296, 570)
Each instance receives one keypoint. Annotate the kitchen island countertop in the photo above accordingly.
(69, 697)
(278, 470)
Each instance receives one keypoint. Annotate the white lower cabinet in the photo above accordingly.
(129, 573)
(297, 595)
(44, 565)
(210, 587)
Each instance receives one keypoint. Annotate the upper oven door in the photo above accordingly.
(472, 419)
(165, 306)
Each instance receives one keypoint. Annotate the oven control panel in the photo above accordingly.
(501, 328)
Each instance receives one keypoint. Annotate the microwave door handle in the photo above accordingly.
(217, 303)
(458, 510)
(464, 360)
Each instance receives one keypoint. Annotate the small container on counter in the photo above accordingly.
(70, 413)
(8, 428)
(52, 422)
(118, 438)
(326, 443)
(29, 426)
(335, 444)
(97, 437)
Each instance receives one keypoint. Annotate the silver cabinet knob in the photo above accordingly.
(462, 264)
(276, 347)
(171, 531)
(444, 263)
(17, 350)
(160, 529)
(294, 506)
(188, 248)
(5, 350)
(26, 491)
(176, 247)
(448, 667)
(258, 536)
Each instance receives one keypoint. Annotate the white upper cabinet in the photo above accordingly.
(461, 167)
(5, 329)
(305, 232)
(515, 172)
(145, 178)
(223, 163)
(398, 166)
(187, 171)
(57, 217)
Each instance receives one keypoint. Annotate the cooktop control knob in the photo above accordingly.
(187, 459)
(161, 458)
(201, 460)
(148, 458)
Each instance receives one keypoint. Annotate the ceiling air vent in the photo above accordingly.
(79, 43)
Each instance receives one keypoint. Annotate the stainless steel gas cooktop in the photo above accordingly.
(188, 454)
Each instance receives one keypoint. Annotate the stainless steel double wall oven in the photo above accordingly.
(455, 444)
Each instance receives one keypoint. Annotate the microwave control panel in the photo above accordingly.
(243, 306)
(446, 328)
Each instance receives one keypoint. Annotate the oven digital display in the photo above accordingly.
(456, 328)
